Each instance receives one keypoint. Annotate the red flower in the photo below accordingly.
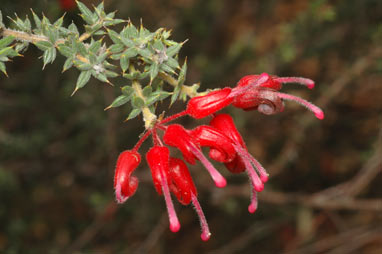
(259, 92)
(176, 136)
(265, 96)
(244, 159)
(125, 185)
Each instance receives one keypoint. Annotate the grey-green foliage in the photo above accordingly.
(133, 53)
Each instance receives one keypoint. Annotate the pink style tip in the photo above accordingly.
(259, 187)
(252, 208)
(220, 181)
(320, 115)
(310, 85)
(264, 178)
(205, 236)
(174, 226)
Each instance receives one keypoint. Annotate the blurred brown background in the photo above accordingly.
(57, 153)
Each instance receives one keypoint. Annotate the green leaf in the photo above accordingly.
(21, 46)
(99, 32)
(147, 91)
(100, 76)
(172, 62)
(59, 22)
(124, 62)
(113, 22)
(135, 112)
(145, 53)
(127, 42)
(49, 56)
(116, 48)
(87, 14)
(52, 34)
(158, 45)
(101, 58)
(6, 41)
(130, 31)
(173, 50)
(83, 78)
(182, 74)
(119, 101)
(95, 46)
(175, 94)
(116, 56)
(154, 68)
(68, 64)
(111, 74)
(114, 36)
(45, 20)
(156, 96)
(73, 28)
(66, 51)
(82, 66)
(130, 52)
(43, 45)
(137, 102)
(8, 51)
(164, 67)
(80, 47)
(37, 20)
(127, 90)
(2, 68)
(100, 8)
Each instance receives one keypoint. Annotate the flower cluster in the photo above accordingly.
(226, 145)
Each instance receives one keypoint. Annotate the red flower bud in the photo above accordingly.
(202, 106)
(181, 183)
(125, 185)
(222, 149)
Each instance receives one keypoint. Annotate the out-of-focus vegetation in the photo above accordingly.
(57, 152)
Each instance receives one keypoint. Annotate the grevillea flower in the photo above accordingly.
(253, 92)
(202, 106)
(158, 158)
(177, 136)
(265, 97)
(183, 187)
(255, 171)
(125, 185)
